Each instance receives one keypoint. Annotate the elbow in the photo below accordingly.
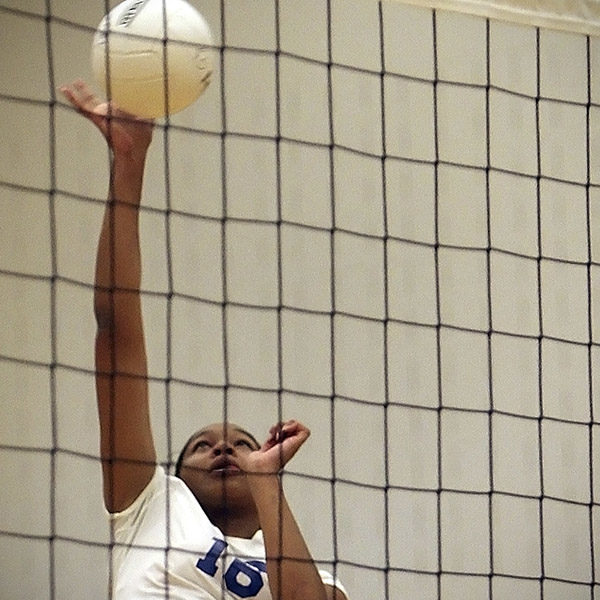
(104, 310)
(119, 322)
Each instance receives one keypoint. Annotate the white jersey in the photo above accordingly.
(183, 551)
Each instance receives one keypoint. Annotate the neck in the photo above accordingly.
(234, 523)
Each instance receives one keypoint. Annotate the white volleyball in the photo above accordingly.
(153, 57)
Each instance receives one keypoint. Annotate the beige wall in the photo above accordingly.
(388, 365)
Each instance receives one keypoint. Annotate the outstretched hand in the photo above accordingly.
(282, 444)
(125, 133)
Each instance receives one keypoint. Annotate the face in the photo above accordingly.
(211, 466)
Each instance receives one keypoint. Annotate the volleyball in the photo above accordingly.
(153, 57)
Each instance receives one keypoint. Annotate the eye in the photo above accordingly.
(200, 445)
(243, 442)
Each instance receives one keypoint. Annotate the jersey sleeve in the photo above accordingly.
(329, 579)
(127, 518)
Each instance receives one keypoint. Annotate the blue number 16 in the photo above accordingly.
(251, 569)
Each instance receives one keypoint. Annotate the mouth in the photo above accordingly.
(225, 467)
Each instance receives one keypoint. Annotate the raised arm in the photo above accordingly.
(126, 442)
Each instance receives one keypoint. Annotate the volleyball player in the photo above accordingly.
(221, 528)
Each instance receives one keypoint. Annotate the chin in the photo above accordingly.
(226, 493)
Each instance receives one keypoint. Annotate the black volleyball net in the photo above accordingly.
(381, 219)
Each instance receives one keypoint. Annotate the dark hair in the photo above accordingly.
(180, 457)
(179, 462)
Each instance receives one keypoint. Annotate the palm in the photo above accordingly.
(124, 132)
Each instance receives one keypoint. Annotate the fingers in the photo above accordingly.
(285, 439)
(87, 103)
(80, 96)
(286, 429)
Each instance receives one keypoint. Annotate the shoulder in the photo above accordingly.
(161, 486)
(157, 484)
(166, 499)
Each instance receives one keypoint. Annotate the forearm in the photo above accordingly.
(118, 261)
(290, 567)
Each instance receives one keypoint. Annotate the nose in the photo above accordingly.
(222, 447)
